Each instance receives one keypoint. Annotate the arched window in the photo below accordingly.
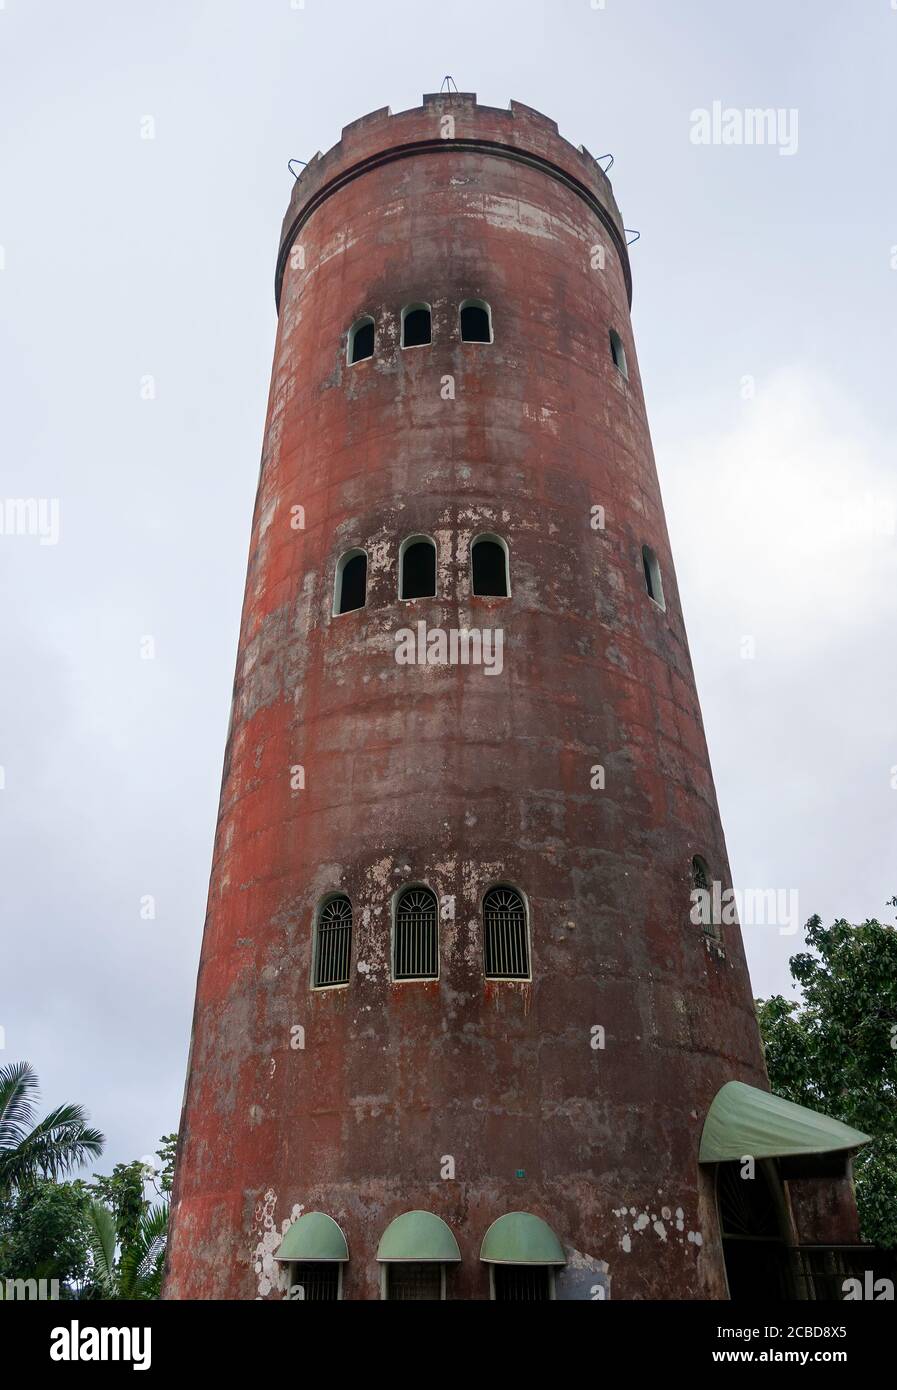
(490, 567)
(417, 327)
(417, 568)
(361, 340)
(351, 582)
(505, 937)
(333, 942)
(653, 581)
(314, 1250)
(700, 874)
(476, 321)
(702, 883)
(415, 938)
(522, 1252)
(618, 353)
(414, 1253)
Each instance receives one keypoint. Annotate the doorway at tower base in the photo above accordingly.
(775, 1162)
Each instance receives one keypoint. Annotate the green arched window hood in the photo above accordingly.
(519, 1238)
(418, 1237)
(315, 1236)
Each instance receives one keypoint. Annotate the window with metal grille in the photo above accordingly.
(319, 1282)
(476, 321)
(701, 879)
(333, 942)
(489, 565)
(700, 874)
(361, 340)
(505, 944)
(522, 1283)
(416, 944)
(416, 325)
(418, 1282)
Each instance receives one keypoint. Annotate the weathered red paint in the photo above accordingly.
(451, 778)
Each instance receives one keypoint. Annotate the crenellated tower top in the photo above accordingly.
(452, 122)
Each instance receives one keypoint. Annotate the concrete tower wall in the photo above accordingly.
(453, 778)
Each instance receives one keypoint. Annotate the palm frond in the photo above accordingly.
(141, 1264)
(18, 1094)
(60, 1142)
(101, 1234)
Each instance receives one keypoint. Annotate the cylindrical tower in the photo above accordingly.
(449, 966)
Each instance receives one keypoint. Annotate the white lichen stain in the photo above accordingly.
(267, 517)
(271, 1275)
(626, 1243)
(647, 1218)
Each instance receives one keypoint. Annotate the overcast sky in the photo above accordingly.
(764, 312)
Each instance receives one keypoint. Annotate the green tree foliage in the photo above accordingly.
(122, 1193)
(44, 1234)
(166, 1154)
(835, 1050)
(103, 1239)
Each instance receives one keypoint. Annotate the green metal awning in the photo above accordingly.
(519, 1238)
(418, 1236)
(746, 1121)
(315, 1236)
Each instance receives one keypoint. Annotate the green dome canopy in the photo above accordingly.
(418, 1236)
(315, 1236)
(519, 1238)
(746, 1121)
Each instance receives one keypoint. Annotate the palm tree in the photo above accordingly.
(138, 1273)
(32, 1149)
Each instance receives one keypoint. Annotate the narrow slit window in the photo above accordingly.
(505, 939)
(416, 943)
(417, 326)
(417, 568)
(361, 340)
(618, 353)
(653, 581)
(490, 567)
(351, 582)
(476, 321)
(333, 942)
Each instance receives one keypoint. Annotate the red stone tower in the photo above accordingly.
(550, 1049)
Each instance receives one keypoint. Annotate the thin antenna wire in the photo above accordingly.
(448, 84)
(291, 162)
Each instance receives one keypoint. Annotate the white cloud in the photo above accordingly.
(786, 523)
(782, 530)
